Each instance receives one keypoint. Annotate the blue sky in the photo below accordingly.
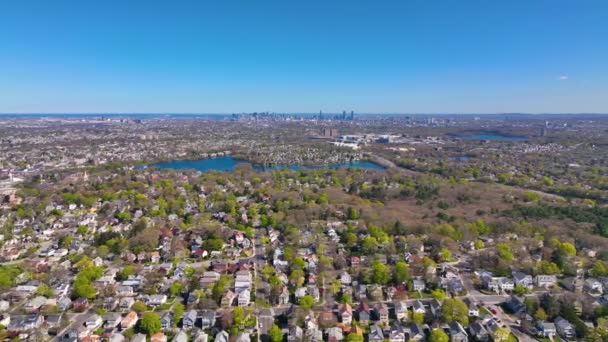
(405, 56)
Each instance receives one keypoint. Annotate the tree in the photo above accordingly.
(150, 323)
(401, 273)
(353, 337)
(175, 288)
(418, 317)
(44, 290)
(380, 273)
(445, 255)
(520, 290)
(454, 309)
(346, 299)
(567, 249)
(540, 315)
(599, 269)
(504, 251)
(178, 313)
(438, 335)
(307, 302)
(275, 333)
(353, 213)
(438, 294)
(501, 334)
(139, 307)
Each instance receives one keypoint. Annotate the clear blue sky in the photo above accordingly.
(224, 56)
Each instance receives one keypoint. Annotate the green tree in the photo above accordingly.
(150, 323)
(445, 255)
(139, 307)
(353, 213)
(599, 269)
(501, 334)
(418, 317)
(346, 299)
(401, 273)
(454, 309)
(540, 315)
(438, 335)
(380, 273)
(275, 333)
(178, 313)
(175, 288)
(44, 290)
(307, 302)
(353, 337)
(504, 251)
(567, 249)
(438, 294)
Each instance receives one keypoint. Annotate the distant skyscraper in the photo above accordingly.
(352, 115)
(343, 115)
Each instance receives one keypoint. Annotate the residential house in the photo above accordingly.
(207, 319)
(158, 337)
(80, 304)
(375, 334)
(209, 278)
(382, 313)
(129, 320)
(244, 297)
(35, 303)
(516, 305)
(364, 313)
(546, 329)
(284, 296)
(345, 313)
(125, 291)
(157, 299)
(401, 310)
(166, 320)
(435, 308)
(418, 307)
(472, 306)
(457, 333)
(181, 336)
(126, 303)
(397, 334)
(110, 303)
(419, 285)
(138, 338)
(523, 280)
(228, 299)
(415, 332)
(295, 334)
(189, 319)
(545, 280)
(564, 328)
(593, 285)
(345, 278)
(25, 323)
(479, 332)
(93, 322)
(221, 336)
(334, 334)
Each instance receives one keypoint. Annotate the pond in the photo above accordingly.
(228, 163)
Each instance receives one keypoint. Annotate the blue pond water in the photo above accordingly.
(491, 136)
(229, 163)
